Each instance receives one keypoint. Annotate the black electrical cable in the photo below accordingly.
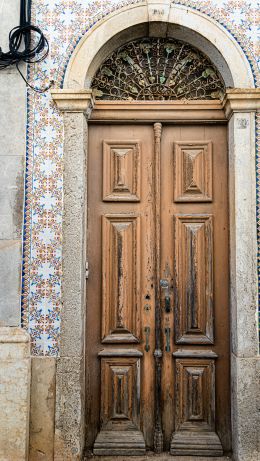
(36, 46)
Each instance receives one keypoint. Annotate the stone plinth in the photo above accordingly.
(42, 413)
(15, 374)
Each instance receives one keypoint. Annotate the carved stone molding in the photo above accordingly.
(235, 100)
(73, 100)
(241, 100)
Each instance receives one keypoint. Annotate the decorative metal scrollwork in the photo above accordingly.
(158, 69)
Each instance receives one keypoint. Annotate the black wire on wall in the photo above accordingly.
(27, 43)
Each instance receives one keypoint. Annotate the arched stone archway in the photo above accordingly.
(239, 105)
(158, 19)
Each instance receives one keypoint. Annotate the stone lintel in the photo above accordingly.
(68, 100)
(241, 100)
(235, 100)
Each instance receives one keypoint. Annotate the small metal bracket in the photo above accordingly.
(167, 300)
(147, 334)
(167, 331)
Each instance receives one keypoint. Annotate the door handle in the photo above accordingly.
(167, 333)
(147, 334)
(167, 300)
(167, 305)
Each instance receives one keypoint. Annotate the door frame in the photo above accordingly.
(238, 110)
(160, 18)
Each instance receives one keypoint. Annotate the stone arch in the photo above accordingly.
(160, 19)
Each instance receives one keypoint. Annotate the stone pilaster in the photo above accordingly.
(70, 378)
(240, 107)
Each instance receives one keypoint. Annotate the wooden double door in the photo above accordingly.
(157, 371)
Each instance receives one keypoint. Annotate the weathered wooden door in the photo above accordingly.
(157, 371)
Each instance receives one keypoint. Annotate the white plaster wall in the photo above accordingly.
(12, 154)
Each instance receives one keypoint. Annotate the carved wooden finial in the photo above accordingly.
(157, 130)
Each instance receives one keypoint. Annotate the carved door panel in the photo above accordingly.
(194, 261)
(157, 370)
(120, 292)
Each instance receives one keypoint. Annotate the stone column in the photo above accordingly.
(70, 378)
(240, 107)
(15, 375)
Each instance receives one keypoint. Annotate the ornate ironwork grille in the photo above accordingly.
(158, 69)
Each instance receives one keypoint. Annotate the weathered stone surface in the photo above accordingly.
(246, 408)
(243, 249)
(11, 196)
(10, 283)
(74, 236)
(15, 374)
(158, 16)
(70, 383)
(153, 457)
(42, 411)
(70, 409)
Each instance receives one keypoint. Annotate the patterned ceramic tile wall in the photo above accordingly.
(64, 22)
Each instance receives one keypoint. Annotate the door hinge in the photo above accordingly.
(87, 271)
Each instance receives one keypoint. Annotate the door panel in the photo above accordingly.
(136, 172)
(120, 291)
(193, 171)
(193, 252)
(195, 381)
(121, 171)
(121, 387)
(121, 278)
(194, 260)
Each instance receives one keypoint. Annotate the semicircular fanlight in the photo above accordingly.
(157, 69)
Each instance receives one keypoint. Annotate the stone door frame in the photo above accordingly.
(75, 101)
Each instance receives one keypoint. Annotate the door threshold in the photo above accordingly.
(156, 457)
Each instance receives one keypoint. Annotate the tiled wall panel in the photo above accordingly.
(65, 22)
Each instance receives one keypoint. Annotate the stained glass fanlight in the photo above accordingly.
(157, 69)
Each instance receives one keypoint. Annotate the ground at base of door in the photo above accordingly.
(154, 457)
